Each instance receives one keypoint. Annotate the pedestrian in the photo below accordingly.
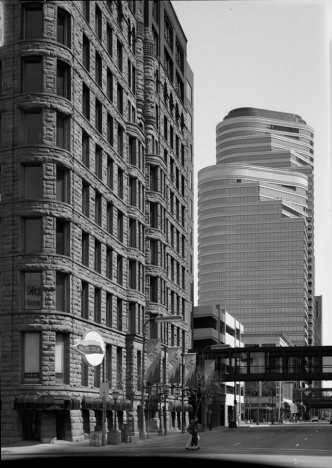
(194, 435)
(190, 436)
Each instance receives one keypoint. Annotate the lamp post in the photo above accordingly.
(168, 318)
(115, 395)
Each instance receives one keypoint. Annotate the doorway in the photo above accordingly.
(222, 415)
(31, 425)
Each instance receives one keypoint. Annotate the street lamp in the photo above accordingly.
(166, 318)
(115, 395)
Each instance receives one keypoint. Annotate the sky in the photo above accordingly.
(269, 54)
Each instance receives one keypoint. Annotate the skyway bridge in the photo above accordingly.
(273, 363)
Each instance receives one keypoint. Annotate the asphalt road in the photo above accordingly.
(302, 445)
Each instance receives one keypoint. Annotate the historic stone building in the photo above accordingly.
(96, 206)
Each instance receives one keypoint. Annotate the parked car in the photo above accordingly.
(314, 419)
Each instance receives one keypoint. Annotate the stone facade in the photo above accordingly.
(85, 162)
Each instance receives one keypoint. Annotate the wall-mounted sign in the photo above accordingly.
(92, 347)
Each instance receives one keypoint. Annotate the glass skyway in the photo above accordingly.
(272, 363)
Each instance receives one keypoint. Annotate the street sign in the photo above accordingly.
(104, 389)
(92, 347)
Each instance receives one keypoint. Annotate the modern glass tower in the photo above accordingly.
(255, 223)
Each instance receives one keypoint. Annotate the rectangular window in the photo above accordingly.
(32, 71)
(110, 125)
(33, 127)
(32, 290)
(119, 52)
(189, 93)
(99, 162)
(61, 358)
(98, 69)
(132, 318)
(153, 289)
(99, 117)
(109, 263)
(110, 172)
(132, 151)
(96, 376)
(32, 27)
(85, 374)
(109, 85)
(62, 237)
(189, 122)
(97, 256)
(85, 149)
(62, 292)
(132, 190)
(85, 300)
(154, 245)
(63, 79)
(97, 306)
(64, 27)
(98, 22)
(86, 199)
(139, 369)
(31, 358)
(120, 99)
(86, 101)
(109, 310)
(62, 185)
(132, 233)
(33, 235)
(86, 53)
(120, 225)
(98, 208)
(132, 274)
(120, 183)
(110, 214)
(119, 374)
(119, 314)
(154, 215)
(109, 40)
(119, 270)
(168, 64)
(63, 131)
(109, 365)
(33, 181)
(86, 10)
(120, 140)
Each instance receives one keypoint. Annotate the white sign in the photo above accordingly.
(92, 347)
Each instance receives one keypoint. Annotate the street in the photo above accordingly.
(305, 445)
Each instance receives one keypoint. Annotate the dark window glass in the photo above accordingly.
(31, 358)
(120, 140)
(62, 237)
(64, 27)
(85, 248)
(86, 102)
(110, 132)
(63, 132)
(99, 117)
(120, 99)
(86, 10)
(62, 184)
(119, 50)
(33, 182)
(98, 22)
(33, 127)
(97, 306)
(63, 82)
(98, 69)
(85, 149)
(33, 235)
(109, 85)
(62, 292)
(86, 52)
(32, 21)
(109, 40)
(32, 74)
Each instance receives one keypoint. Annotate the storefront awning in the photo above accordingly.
(46, 402)
(93, 403)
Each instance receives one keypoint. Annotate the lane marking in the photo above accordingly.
(306, 438)
(297, 445)
(257, 438)
(238, 443)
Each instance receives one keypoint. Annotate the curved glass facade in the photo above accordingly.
(255, 216)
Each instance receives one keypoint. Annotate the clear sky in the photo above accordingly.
(270, 54)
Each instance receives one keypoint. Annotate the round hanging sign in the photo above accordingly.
(92, 347)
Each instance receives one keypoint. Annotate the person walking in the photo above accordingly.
(188, 445)
(193, 429)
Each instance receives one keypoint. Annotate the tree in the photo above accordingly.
(205, 391)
